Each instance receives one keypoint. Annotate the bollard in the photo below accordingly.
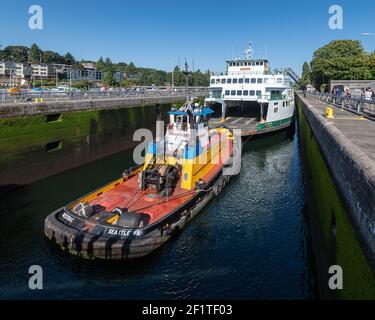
(329, 113)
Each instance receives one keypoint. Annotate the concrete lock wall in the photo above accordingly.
(37, 141)
(342, 182)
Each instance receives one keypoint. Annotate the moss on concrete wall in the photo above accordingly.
(343, 249)
(84, 135)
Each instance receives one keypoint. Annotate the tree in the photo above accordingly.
(100, 66)
(340, 60)
(69, 59)
(35, 54)
(108, 79)
(50, 57)
(306, 76)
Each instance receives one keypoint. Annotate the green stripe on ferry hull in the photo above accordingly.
(273, 124)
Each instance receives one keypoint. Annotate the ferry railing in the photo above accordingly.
(357, 105)
(272, 97)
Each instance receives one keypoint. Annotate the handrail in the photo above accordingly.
(360, 106)
(16, 97)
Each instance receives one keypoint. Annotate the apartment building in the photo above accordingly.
(89, 65)
(118, 76)
(41, 71)
(86, 74)
(14, 73)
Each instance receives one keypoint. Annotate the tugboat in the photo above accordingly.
(134, 215)
(252, 98)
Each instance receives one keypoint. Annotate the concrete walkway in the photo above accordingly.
(360, 131)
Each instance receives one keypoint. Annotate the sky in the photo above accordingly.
(160, 34)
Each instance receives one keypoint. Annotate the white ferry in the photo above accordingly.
(251, 97)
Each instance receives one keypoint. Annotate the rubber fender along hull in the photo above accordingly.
(89, 245)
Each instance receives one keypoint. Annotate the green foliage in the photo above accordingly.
(15, 53)
(341, 60)
(108, 79)
(34, 55)
(306, 76)
(141, 76)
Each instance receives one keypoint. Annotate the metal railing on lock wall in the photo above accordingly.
(38, 96)
(356, 105)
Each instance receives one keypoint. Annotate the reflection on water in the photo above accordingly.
(251, 242)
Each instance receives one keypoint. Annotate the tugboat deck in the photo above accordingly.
(128, 195)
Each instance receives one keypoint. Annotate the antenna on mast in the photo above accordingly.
(249, 51)
(186, 73)
(265, 52)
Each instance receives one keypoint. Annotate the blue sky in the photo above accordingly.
(158, 33)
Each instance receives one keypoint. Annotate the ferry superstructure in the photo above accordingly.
(251, 97)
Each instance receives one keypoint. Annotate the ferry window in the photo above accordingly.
(279, 80)
(223, 80)
(239, 92)
(240, 80)
(246, 92)
(229, 80)
(253, 80)
(235, 80)
(259, 93)
(227, 92)
(275, 110)
(266, 80)
(217, 80)
(245, 63)
(276, 104)
(260, 80)
(233, 93)
(261, 63)
(212, 81)
(252, 92)
(257, 63)
(247, 80)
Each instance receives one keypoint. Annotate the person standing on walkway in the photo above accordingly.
(368, 94)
